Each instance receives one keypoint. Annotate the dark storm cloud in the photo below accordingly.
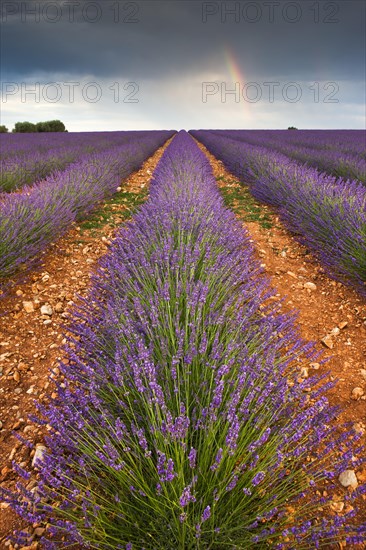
(171, 37)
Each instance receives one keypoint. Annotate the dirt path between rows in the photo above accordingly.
(32, 334)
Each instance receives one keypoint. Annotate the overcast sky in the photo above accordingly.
(116, 65)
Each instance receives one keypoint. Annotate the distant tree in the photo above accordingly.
(42, 127)
(52, 126)
(3, 129)
(23, 127)
(292, 128)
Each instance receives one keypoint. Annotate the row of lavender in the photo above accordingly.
(32, 219)
(328, 215)
(27, 143)
(182, 421)
(351, 142)
(26, 161)
(341, 153)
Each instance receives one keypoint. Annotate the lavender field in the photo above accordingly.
(190, 412)
(327, 213)
(64, 188)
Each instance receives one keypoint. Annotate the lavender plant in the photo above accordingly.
(325, 213)
(182, 421)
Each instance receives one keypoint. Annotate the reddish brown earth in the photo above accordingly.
(31, 343)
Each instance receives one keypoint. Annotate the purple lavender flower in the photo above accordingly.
(192, 457)
(232, 484)
(165, 468)
(186, 497)
(206, 514)
(258, 478)
(218, 458)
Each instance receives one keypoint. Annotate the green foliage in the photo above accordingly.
(238, 197)
(42, 127)
(292, 128)
(51, 126)
(3, 129)
(105, 214)
(47, 126)
(24, 127)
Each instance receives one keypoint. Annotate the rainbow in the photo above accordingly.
(233, 66)
(236, 76)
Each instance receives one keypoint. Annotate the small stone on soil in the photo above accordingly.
(357, 393)
(46, 309)
(337, 506)
(310, 286)
(348, 479)
(327, 342)
(16, 376)
(359, 427)
(38, 455)
(28, 306)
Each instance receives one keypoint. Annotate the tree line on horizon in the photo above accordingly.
(29, 127)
